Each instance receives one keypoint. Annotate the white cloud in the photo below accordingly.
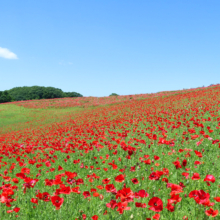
(7, 54)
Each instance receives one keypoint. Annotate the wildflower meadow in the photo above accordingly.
(141, 157)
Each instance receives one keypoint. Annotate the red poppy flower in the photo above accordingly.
(132, 169)
(16, 209)
(156, 157)
(75, 190)
(44, 196)
(95, 217)
(135, 180)
(175, 199)
(165, 180)
(141, 194)
(175, 189)
(86, 194)
(120, 178)
(95, 194)
(30, 182)
(15, 180)
(48, 164)
(217, 199)
(169, 206)
(208, 203)
(79, 181)
(25, 170)
(65, 190)
(181, 184)
(70, 181)
(156, 216)
(140, 205)
(193, 137)
(198, 154)
(57, 201)
(111, 188)
(148, 161)
(184, 163)
(126, 194)
(122, 206)
(112, 204)
(106, 181)
(100, 187)
(33, 200)
(195, 176)
(177, 164)
(210, 178)
(156, 204)
(211, 212)
(193, 194)
(154, 176)
(60, 168)
(185, 174)
(70, 174)
(202, 197)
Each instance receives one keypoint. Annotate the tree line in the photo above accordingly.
(34, 92)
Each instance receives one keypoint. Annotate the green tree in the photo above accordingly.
(39, 92)
(114, 94)
(73, 94)
(5, 97)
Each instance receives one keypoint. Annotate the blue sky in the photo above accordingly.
(96, 47)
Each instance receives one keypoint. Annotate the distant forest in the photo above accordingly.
(34, 92)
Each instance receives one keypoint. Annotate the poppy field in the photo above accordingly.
(141, 157)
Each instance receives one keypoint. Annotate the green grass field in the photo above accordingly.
(13, 117)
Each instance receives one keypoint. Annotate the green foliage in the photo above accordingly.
(73, 94)
(5, 97)
(34, 92)
(114, 94)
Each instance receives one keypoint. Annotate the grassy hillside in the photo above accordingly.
(144, 157)
(14, 117)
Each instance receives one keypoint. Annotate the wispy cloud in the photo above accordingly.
(7, 54)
